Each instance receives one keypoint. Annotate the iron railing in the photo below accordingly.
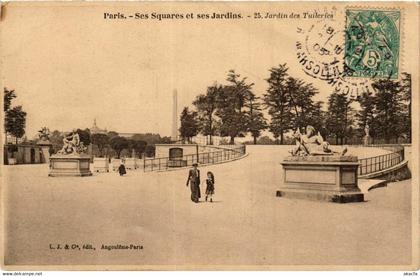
(217, 155)
(381, 162)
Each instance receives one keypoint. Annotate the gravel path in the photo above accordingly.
(246, 225)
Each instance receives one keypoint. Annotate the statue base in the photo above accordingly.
(367, 140)
(130, 163)
(69, 165)
(322, 178)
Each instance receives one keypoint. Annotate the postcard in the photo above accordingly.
(210, 135)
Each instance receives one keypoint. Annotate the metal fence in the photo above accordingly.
(381, 162)
(218, 155)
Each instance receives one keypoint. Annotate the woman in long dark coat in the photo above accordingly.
(121, 169)
(194, 182)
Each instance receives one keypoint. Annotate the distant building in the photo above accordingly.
(10, 139)
(126, 134)
(95, 129)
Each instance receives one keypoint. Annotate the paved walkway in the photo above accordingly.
(246, 225)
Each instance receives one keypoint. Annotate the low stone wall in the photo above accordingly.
(100, 164)
(162, 150)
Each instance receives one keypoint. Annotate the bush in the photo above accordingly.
(265, 140)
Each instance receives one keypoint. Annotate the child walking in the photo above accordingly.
(210, 186)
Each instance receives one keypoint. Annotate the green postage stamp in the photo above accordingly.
(372, 43)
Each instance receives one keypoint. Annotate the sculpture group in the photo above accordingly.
(311, 144)
(72, 144)
(44, 134)
(71, 160)
(316, 172)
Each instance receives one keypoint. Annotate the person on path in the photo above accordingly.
(194, 181)
(121, 169)
(210, 186)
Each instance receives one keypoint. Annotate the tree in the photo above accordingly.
(84, 136)
(301, 102)
(389, 109)
(139, 147)
(189, 124)
(150, 150)
(7, 101)
(206, 106)
(165, 140)
(136, 147)
(276, 101)
(15, 122)
(15, 118)
(290, 103)
(119, 144)
(231, 102)
(112, 134)
(254, 117)
(56, 139)
(406, 97)
(9, 95)
(339, 117)
(265, 140)
(366, 114)
(101, 141)
(317, 117)
(150, 138)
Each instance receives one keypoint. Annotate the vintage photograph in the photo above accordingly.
(210, 135)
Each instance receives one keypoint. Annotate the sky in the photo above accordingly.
(68, 65)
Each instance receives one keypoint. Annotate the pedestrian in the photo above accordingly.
(210, 186)
(121, 169)
(194, 181)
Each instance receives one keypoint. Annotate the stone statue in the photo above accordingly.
(44, 134)
(366, 139)
(72, 144)
(367, 130)
(311, 144)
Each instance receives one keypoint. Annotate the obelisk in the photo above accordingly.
(174, 135)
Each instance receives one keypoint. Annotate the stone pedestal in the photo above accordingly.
(12, 161)
(115, 164)
(130, 163)
(45, 146)
(45, 154)
(324, 178)
(100, 164)
(367, 140)
(69, 165)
